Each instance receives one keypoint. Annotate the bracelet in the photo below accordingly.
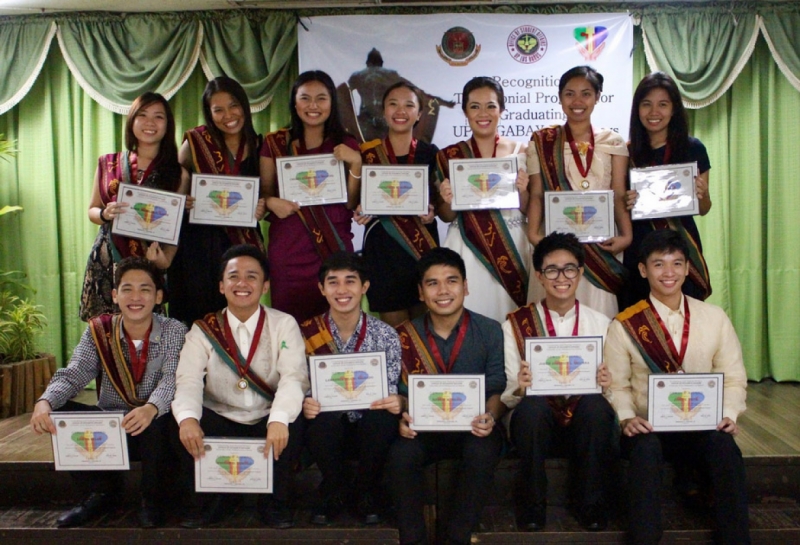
(102, 217)
(353, 175)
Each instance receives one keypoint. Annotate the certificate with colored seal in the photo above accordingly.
(394, 190)
(445, 402)
(685, 401)
(233, 466)
(311, 179)
(90, 441)
(348, 382)
(481, 184)
(665, 191)
(589, 215)
(152, 214)
(224, 200)
(564, 365)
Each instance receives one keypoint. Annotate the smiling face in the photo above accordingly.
(483, 111)
(401, 110)
(578, 100)
(136, 296)
(562, 289)
(227, 113)
(150, 124)
(313, 103)
(655, 113)
(665, 272)
(243, 285)
(443, 290)
(343, 290)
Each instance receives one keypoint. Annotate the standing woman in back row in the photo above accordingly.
(300, 238)
(659, 135)
(226, 144)
(577, 157)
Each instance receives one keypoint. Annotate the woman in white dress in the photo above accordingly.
(578, 157)
(493, 243)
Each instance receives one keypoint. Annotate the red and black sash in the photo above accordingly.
(645, 328)
(526, 323)
(602, 268)
(318, 337)
(213, 325)
(409, 231)
(208, 158)
(416, 356)
(320, 228)
(115, 168)
(106, 331)
(486, 234)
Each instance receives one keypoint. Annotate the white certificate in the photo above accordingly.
(233, 466)
(480, 184)
(152, 214)
(394, 190)
(665, 191)
(564, 365)
(445, 402)
(348, 382)
(589, 215)
(86, 441)
(685, 401)
(311, 179)
(224, 200)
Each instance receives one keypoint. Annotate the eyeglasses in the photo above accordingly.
(570, 272)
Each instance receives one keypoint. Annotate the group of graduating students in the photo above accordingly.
(242, 370)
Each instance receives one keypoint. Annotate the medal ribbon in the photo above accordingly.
(134, 159)
(437, 356)
(138, 363)
(234, 351)
(226, 167)
(551, 329)
(684, 339)
(667, 154)
(477, 152)
(577, 156)
(362, 334)
(412, 150)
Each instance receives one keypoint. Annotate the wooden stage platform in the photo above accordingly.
(32, 495)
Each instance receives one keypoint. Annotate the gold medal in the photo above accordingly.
(242, 384)
(585, 184)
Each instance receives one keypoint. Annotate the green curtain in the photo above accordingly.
(23, 49)
(257, 52)
(117, 58)
(703, 50)
(781, 28)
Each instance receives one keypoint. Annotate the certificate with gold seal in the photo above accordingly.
(311, 179)
(665, 191)
(445, 402)
(564, 365)
(233, 466)
(481, 184)
(685, 401)
(152, 214)
(224, 200)
(392, 190)
(348, 382)
(89, 441)
(589, 215)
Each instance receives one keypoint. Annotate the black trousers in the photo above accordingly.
(407, 460)
(149, 447)
(214, 425)
(331, 433)
(716, 453)
(588, 442)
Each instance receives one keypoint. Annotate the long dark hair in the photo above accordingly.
(333, 128)
(677, 131)
(167, 157)
(224, 84)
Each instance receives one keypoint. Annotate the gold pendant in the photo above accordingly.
(242, 385)
(585, 184)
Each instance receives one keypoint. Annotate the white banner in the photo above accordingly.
(526, 54)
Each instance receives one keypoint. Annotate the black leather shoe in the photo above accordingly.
(533, 519)
(98, 503)
(276, 514)
(212, 511)
(149, 515)
(594, 518)
(330, 509)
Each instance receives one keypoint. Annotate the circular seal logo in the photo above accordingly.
(458, 47)
(526, 44)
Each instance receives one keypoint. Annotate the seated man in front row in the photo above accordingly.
(448, 339)
(135, 353)
(242, 373)
(671, 333)
(581, 425)
(345, 328)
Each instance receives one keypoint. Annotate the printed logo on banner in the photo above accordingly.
(527, 44)
(590, 41)
(458, 47)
